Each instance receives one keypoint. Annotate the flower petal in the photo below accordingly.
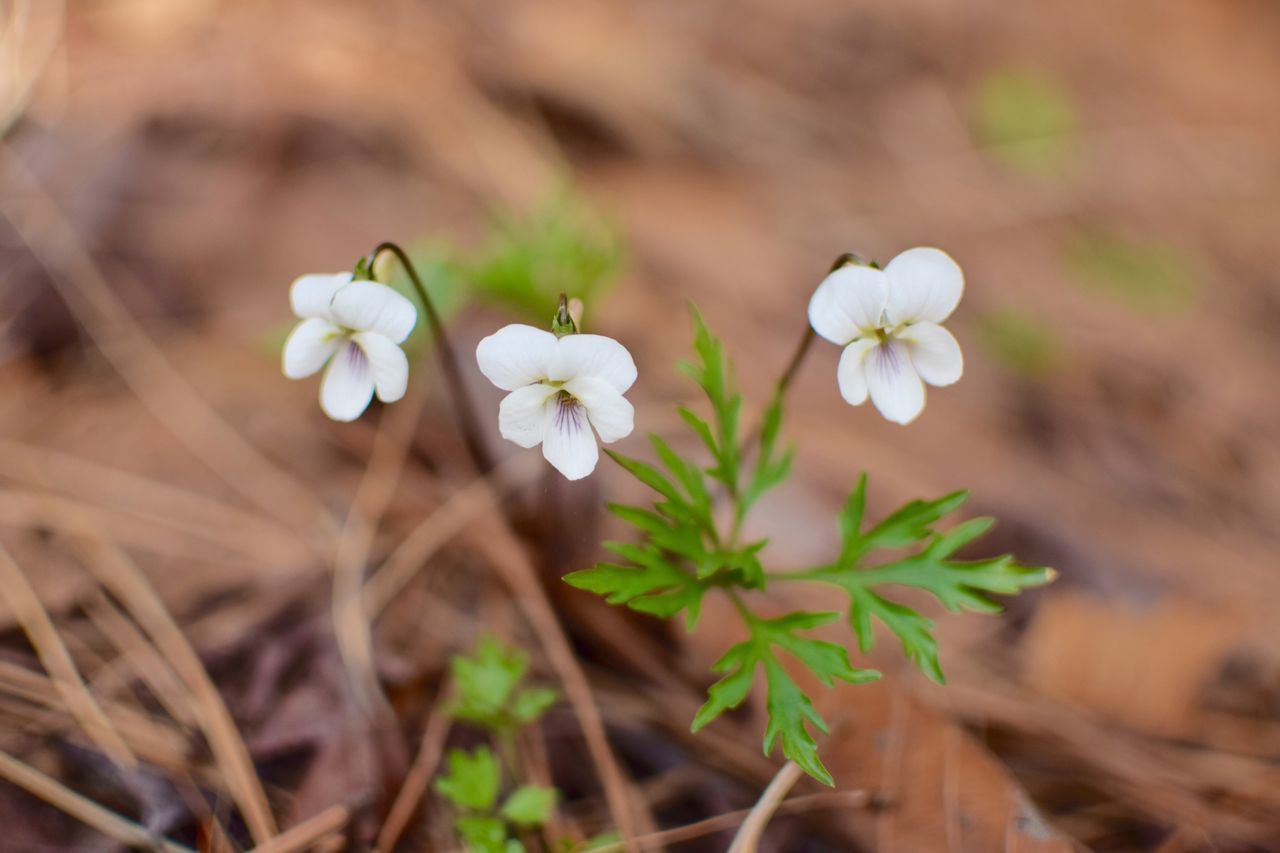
(348, 384)
(849, 301)
(310, 295)
(895, 387)
(368, 306)
(594, 355)
(388, 362)
(569, 444)
(516, 355)
(851, 375)
(609, 412)
(934, 352)
(308, 347)
(524, 413)
(924, 284)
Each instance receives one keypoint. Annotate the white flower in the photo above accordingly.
(560, 389)
(887, 321)
(356, 327)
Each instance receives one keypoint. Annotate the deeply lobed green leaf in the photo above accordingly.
(471, 780)
(791, 713)
(958, 585)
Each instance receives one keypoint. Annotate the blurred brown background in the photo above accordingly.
(1107, 174)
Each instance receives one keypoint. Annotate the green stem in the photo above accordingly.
(798, 356)
(741, 606)
(463, 407)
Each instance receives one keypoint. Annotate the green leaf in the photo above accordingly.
(677, 506)
(664, 532)
(531, 704)
(653, 585)
(486, 681)
(472, 780)
(790, 711)
(485, 834)
(957, 585)
(529, 805)
(711, 372)
(906, 526)
(770, 468)
(689, 475)
(912, 629)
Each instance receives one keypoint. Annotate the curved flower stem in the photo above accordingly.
(797, 359)
(783, 384)
(463, 406)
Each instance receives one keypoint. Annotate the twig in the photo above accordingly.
(82, 808)
(53, 654)
(748, 838)
(416, 780)
(307, 834)
(117, 572)
(706, 826)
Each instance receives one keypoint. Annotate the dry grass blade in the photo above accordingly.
(20, 82)
(517, 571)
(142, 364)
(57, 661)
(117, 572)
(748, 838)
(82, 808)
(717, 823)
(416, 780)
(171, 505)
(465, 506)
(351, 623)
(153, 741)
(308, 834)
(22, 508)
(140, 657)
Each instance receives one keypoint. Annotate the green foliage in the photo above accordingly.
(957, 585)
(527, 260)
(472, 779)
(561, 247)
(1019, 343)
(684, 554)
(1147, 276)
(529, 805)
(1028, 120)
(790, 711)
(472, 783)
(489, 692)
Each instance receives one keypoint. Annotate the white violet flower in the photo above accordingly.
(887, 321)
(356, 327)
(560, 389)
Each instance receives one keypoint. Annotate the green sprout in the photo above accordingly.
(688, 550)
